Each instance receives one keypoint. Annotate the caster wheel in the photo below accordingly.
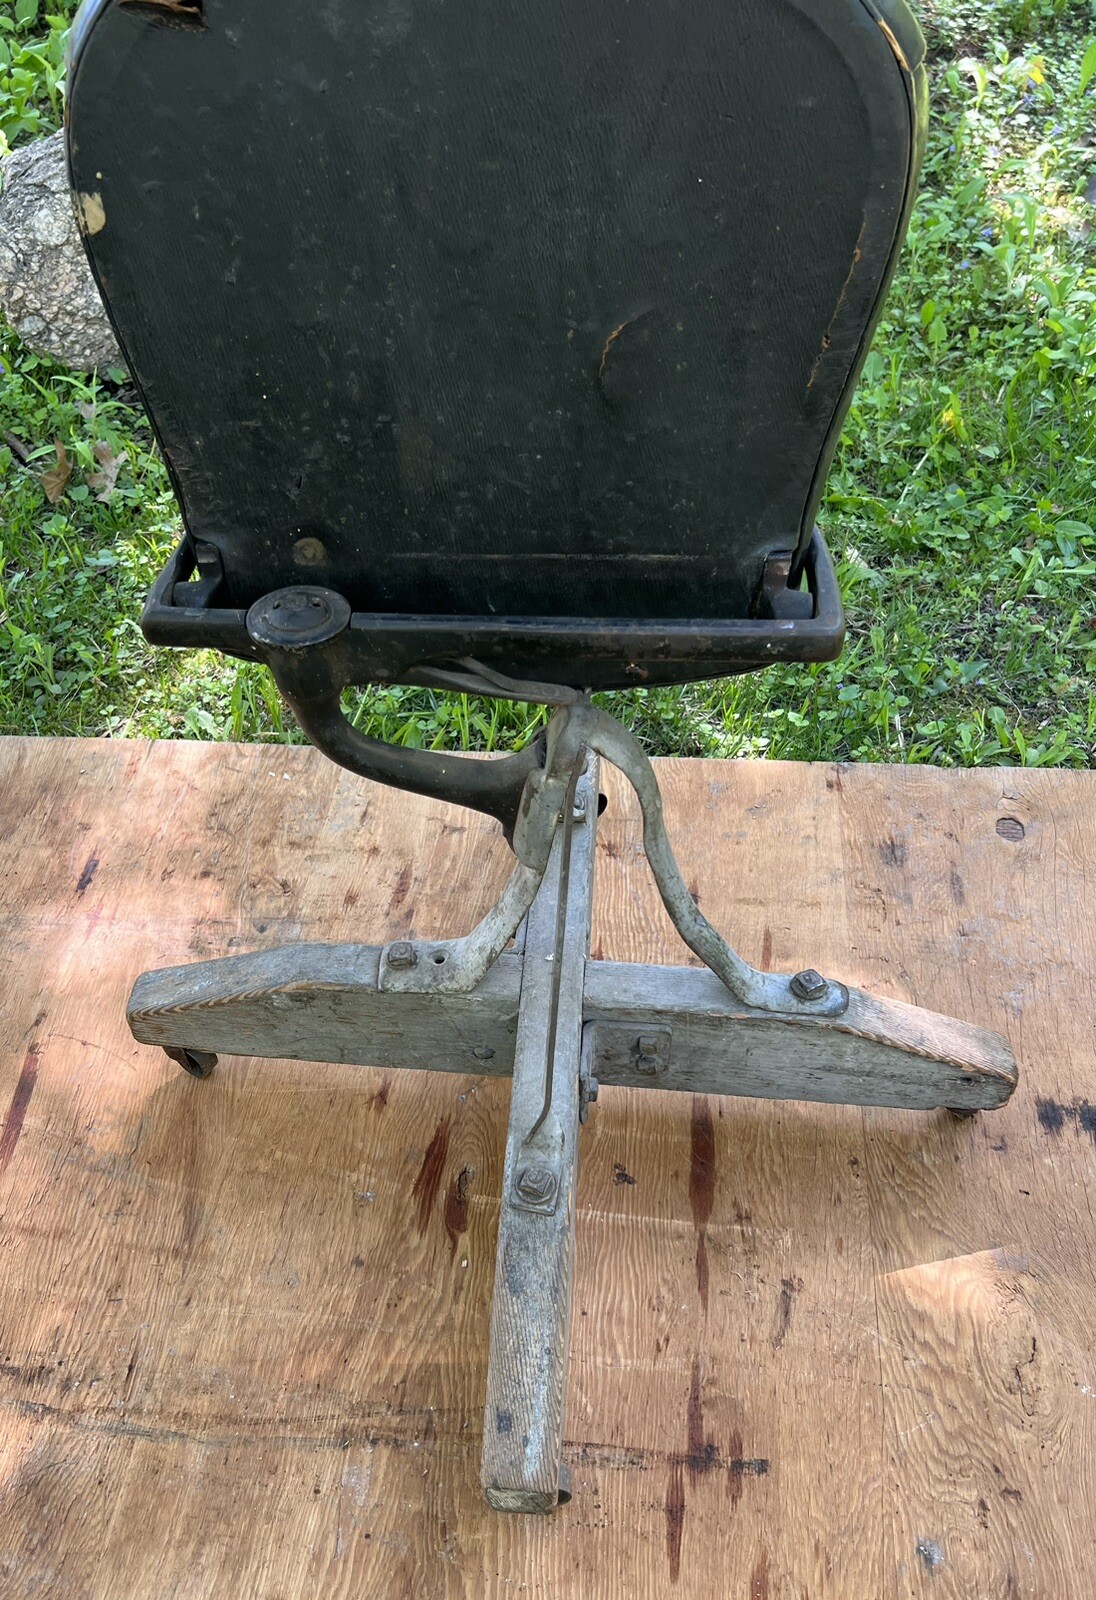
(199, 1063)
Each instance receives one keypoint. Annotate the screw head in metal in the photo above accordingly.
(482, 1052)
(402, 954)
(536, 1184)
(809, 985)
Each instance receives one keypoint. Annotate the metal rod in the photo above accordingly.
(566, 832)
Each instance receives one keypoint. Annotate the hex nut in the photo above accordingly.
(402, 954)
(536, 1184)
(809, 985)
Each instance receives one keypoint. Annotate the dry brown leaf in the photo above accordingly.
(110, 465)
(55, 481)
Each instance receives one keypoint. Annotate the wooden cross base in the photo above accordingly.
(558, 1024)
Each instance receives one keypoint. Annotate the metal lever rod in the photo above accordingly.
(804, 993)
(566, 834)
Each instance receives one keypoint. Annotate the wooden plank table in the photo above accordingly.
(817, 1352)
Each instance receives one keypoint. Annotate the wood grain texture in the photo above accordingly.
(817, 1352)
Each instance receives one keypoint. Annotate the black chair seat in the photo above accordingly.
(496, 310)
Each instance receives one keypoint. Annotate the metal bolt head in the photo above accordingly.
(298, 618)
(647, 1045)
(809, 985)
(536, 1184)
(482, 1052)
(402, 954)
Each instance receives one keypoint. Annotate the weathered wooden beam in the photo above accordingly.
(699, 1038)
(321, 1002)
(531, 1310)
(317, 1002)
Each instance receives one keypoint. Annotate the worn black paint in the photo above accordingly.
(555, 313)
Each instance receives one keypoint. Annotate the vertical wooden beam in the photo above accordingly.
(531, 1313)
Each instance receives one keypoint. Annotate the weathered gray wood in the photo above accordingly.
(320, 1002)
(879, 1053)
(531, 1309)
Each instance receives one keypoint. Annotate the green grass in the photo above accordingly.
(961, 505)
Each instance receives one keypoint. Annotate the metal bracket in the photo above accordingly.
(455, 966)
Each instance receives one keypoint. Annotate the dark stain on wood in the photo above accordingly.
(702, 1170)
(20, 1100)
(1053, 1116)
(1086, 1119)
(702, 1273)
(702, 1175)
(789, 1288)
(456, 1207)
(635, 1458)
(379, 1098)
(759, 1578)
(280, 1434)
(402, 889)
(892, 853)
(736, 1470)
(675, 1519)
(767, 950)
(28, 1375)
(350, 899)
(701, 1454)
(621, 1174)
(981, 1511)
(91, 867)
(955, 885)
(426, 1185)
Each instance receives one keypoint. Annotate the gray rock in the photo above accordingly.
(47, 291)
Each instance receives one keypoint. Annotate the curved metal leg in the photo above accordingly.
(803, 993)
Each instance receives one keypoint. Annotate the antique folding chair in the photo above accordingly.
(503, 348)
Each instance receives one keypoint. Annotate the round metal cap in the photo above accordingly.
(294, 619)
